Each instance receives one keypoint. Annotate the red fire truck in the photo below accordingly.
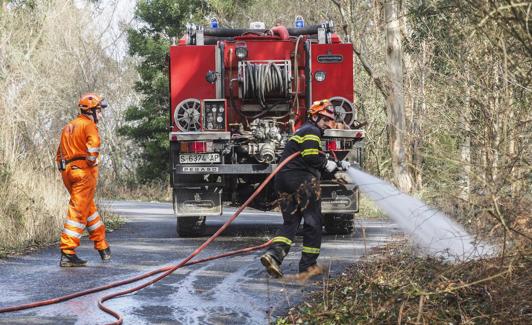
(236, 97)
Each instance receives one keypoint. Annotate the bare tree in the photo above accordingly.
(395, 96)
(389, 82)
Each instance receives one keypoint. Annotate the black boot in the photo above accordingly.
(273, 258)
(272, 266)
(71, 260)
(105, 254)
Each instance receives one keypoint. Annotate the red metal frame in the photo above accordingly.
(339, 75)
(189, 64)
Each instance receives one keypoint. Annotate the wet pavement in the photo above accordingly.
(233, 290)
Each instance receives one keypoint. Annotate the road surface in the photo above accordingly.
(234, 290)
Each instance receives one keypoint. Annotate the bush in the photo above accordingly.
(402, 288)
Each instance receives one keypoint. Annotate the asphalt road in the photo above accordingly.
(234, 290)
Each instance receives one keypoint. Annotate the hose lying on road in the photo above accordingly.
(126, 281)
(167, 270)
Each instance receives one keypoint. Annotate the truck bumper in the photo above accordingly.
(221, 169)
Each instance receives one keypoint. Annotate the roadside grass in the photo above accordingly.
(112, 221)
(398, 287)
(368, 209)
(158, 191)
(33, 208)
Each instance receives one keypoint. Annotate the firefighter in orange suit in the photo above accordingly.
(77, 159)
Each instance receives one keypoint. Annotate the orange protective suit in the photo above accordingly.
(79, 150)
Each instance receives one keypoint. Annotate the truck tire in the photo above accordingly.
(190, 226)
(339, 224)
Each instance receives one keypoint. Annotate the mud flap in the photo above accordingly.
(339, 198)
(204, 201)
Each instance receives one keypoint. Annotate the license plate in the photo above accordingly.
(199, 158)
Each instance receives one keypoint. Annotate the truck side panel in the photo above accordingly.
(336, 60)
(188, 67)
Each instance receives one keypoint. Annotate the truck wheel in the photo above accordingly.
(339, 224)
(190, 226)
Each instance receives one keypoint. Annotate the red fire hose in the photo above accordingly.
(167, 270)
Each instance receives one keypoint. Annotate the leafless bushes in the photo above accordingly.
(49, 55)
(478, 100)
(396, 287)
(32, 208)
(467, 103)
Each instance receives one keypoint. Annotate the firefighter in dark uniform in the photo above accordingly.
(298, 187)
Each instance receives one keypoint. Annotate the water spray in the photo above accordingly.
(430, 229)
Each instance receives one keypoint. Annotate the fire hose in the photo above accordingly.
(167, 270)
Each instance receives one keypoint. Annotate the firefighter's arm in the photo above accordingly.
(310, 151)
(93, 144)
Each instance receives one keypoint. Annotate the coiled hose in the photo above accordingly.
(167, 270)
(264, 80)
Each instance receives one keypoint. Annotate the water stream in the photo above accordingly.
(430, 229)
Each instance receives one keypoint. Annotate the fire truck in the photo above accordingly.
(236, 96)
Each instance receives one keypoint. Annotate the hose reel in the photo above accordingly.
(265, 81)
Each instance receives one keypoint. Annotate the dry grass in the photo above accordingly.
(32, 210)
(368, 209)
(50, 53)
(401, 288)
(159, 191)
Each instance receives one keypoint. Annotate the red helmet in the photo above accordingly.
(323, 108)
(90, 101)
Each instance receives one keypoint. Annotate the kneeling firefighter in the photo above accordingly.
(298, 187)
(77, 159)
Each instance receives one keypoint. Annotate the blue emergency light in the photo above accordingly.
(299, 22)
(214, 23)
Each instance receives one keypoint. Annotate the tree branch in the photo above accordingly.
(379, 83)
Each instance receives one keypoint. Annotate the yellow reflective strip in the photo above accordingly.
(311, 250)
(311, 137)
(308, 152)
(281, 239)
(296, 138)
(308, 137)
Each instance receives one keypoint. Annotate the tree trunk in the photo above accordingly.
(465, 151)
(395, 98)
(419, 110)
